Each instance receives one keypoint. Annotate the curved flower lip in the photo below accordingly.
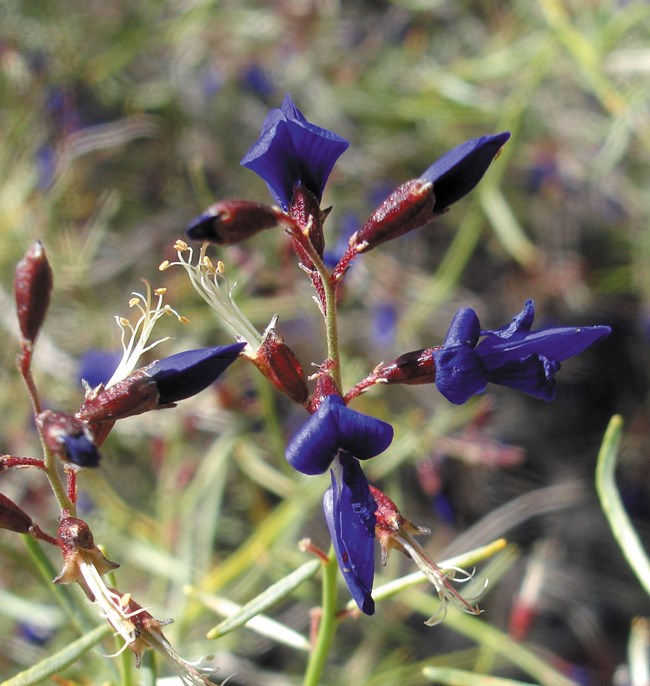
(350, 514)
(292, 150)
(187, 373)
(511, 356)
(458, 171)
(334, 427)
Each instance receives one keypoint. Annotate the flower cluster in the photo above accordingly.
(71, 441)
(296, 158)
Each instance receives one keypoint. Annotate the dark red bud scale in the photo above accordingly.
(13, 517)
(32, 288)
(413, 368)
(306, 212)
(135, 394)
(407, 208)
(280, 366)
(231, 221)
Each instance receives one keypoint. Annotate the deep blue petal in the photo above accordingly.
(521, 322)
(313, 447)
(360, 434)
(335, 427)
(534, 375)
(556, 344)
(291, 150)
(80, 450)
(460, 373)
(353, 543)
(464, 329)
(186, 374)
(458, 171)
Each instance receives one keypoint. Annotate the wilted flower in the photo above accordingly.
(395, 531)
(85, 564)
(292, 151)
(512, 356)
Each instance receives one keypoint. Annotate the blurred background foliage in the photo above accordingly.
(122, 120)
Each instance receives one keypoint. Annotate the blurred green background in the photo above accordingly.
(120, 121)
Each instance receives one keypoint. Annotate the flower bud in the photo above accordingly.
(68, 438)
(13, 517)
(232, 221)
(32, 288)
(279, 364)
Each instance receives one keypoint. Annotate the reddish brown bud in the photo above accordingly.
(135, 394)
(68, 438)
(32, 287)
(413, 368)
(407, 208)
(280, 366)
(13, 517)
(232, 221)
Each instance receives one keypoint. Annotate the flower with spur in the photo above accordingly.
(337, 437)
(513, 356)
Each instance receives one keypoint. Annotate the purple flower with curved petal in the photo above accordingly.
(350, 514)
(458, 171)
(187, 373)
(292, 150)
(334, 427)
(512, 356)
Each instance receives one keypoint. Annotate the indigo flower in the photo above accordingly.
(350, 514)
(512, 356)
(292, 150)
(338, 436)
(334, 427)
(185, 374)
(458, 171)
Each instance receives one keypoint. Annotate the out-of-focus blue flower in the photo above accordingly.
(185, 374)
(456, 173)
(512, 356)
(332, 428)
(291, 150)
(350, 514)
(258, 80)
(97, 366)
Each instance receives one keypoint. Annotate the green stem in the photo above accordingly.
(331, 322)
(53, 476)
(327, 627)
